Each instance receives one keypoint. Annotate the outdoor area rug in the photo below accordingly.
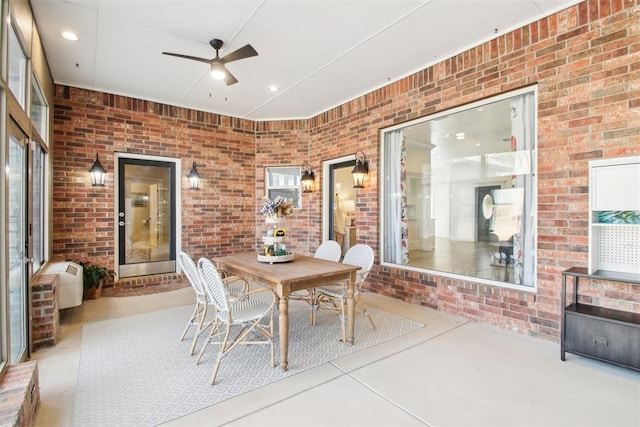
(135, 371)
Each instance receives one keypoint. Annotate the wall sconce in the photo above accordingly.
(360, 170)
(308, 178)
(98, 173)
(194, 177)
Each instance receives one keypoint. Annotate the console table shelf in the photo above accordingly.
(600, 333)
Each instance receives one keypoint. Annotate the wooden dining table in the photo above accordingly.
(304, 272)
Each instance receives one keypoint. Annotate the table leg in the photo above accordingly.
(283, 325)
(351, 308)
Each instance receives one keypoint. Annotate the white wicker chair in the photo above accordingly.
(247, 313)
(335, 297)
(199, 314)
(234, 285)
(329, 250)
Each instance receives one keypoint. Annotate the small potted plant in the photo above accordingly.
(93, 278)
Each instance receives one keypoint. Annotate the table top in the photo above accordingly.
(302, 268)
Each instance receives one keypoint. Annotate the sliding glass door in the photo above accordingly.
(16, 173)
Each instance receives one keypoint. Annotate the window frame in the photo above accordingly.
(284, 188)
(532, 198)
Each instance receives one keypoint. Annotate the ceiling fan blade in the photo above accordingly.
(193, 58)
(244, 52)
(229, 78)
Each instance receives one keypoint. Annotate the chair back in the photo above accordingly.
(362, 256)
(213, 285)
(190, 270)
(329, 250)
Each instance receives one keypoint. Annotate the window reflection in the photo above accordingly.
(458, 190)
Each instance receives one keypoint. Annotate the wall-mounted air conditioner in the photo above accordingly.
(69, 283)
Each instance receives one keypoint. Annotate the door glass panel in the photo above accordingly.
(146, 217)
(342, 204)
(37, 218)
(16, 234)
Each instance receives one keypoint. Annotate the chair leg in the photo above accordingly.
(214, 330)
(202, 315)
(314, 305)
(191, 321)
(365, 313)
(221, 353)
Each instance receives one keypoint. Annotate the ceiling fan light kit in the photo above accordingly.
(218, 69)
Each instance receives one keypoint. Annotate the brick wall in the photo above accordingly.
(218, 219)
(585, 61)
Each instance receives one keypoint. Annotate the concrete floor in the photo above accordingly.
(451, 373)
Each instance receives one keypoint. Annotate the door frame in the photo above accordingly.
(178, 193)
(328, 193)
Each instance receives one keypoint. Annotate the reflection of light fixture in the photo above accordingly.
(308, 178)
(360, 170)
(349, 206)
(194, 177)
(98, 173)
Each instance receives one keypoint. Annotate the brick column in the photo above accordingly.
(44, 326)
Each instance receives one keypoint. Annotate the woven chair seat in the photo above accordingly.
(337, 291)
(246, 310)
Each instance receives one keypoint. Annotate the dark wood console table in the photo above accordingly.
(600, 333)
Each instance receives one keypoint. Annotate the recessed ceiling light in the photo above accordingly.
(460, 135)
(273, 88)
(69, 35)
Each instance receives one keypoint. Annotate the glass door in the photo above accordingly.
(16, 173)
(340, 201)
(146, 217)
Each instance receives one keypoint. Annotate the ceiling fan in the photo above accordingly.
(218, 69)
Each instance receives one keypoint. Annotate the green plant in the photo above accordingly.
(93, 275)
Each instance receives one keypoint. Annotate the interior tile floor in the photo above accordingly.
(450, 373)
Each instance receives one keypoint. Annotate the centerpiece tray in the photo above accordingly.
(272, 259)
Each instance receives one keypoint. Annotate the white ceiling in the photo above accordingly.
(319, 53)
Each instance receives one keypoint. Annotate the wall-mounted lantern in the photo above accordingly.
(98, 173)
(308, 178)
(194, 177)
(360, 170)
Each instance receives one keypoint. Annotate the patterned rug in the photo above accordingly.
(134, 371)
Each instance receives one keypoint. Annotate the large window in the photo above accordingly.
(17, 68)
(39, 110)
(458, 192)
